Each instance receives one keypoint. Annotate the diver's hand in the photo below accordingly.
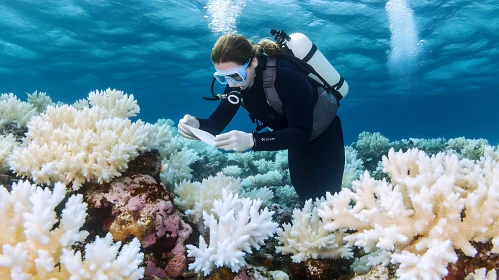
(183, 126)
(234, 140)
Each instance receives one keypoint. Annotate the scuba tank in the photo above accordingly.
(319, 68)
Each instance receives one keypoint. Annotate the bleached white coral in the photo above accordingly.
(482, 274)
(116, 102)
(81, 103)
(262, 273)
(432, 264)
(39, 100)
(370, 144)
(271, 178)
(236, 226)
(164, 138)
(74, 146)
(7, 144)
(31, 246)
(195, 198)
(281, 160)
(305, 238)
(176, 168)
(104, 260)
(232, 170)
(264, 194)
(432, 206)
(375, 259)
(242, 158)
(468, 148)
(286, 194)
(430, 146)
(264, 166)
(353, 167)
(14, 111)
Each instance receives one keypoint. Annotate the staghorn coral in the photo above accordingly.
(468, 148)
(232, 170)
(353, 167)
(306, 237)
(236, 226)
(479, 274)
(39, 100)
(176, 168)
(287, 196)
(195, 198)
(371, 147)
(432, 206)
(7, 144)
(271, 178)
(14, 111)
(34, 241)
(265, 194)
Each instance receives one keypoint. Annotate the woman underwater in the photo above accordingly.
(316, 157)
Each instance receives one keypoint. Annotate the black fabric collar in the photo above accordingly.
(262, 62)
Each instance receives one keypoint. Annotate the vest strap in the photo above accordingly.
(269, 75)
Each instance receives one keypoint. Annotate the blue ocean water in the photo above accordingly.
(415, 68)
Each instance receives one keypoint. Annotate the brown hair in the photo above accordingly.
(236, 48)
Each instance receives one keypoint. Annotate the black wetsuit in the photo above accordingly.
(315, 166)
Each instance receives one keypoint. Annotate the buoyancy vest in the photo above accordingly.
(325, 106)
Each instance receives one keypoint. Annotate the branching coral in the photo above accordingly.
(265, 194)
(432, 206)
(271, 178)
(236, 226)
(74, 146)
(176, 168)
(195, 197)
(39, 100)
(468, 148)
(480, 274)
(34, 240)
(14, 111)
(7, 144)
(371, 147)
(306, 237)
(353, 167)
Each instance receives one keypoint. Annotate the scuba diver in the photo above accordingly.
(269, 79)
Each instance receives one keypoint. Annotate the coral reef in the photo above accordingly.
(189, 211)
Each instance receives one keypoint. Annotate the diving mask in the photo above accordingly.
(237, 75)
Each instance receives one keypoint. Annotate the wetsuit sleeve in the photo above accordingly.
(297, 97)
(220, 118)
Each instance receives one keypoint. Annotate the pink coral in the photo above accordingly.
(142, 208)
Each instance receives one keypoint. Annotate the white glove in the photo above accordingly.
(234, 140)
(183, 126)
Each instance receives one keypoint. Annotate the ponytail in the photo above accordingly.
(268, 47)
